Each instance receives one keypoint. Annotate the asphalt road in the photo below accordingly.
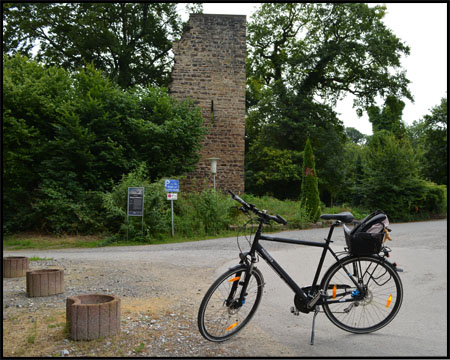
(420, 328)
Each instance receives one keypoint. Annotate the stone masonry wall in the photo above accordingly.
(210, 68)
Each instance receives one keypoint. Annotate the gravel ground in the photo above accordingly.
(161, 287)
(159, 304)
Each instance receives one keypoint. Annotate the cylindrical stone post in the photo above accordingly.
(15, 266)
(92, 316)
(45, 282)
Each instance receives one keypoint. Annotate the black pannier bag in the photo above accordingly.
(366, 237)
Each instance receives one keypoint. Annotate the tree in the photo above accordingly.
(130, 42)
(430, 137)
(309, 195)
(318, 49)
(280, 132)
(269, 169)
(68, 137)
(355, 135)
(302, 58)
(391, 180)
(389, 118)
(352, 168)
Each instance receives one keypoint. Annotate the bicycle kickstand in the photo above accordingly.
(316, 311)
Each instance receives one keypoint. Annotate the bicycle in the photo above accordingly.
(360, 293)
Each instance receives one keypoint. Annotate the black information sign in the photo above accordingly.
(135, 201)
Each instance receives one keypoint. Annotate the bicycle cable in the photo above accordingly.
(248, 238)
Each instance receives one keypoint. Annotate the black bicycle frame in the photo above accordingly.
(257, 247)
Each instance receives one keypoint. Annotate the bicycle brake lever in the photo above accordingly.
(243, 209)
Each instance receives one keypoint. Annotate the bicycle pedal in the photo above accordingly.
(314, 300)
(294, 311)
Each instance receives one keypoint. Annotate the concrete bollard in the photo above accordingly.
(92, 316)
(15, 266)
(45, 282)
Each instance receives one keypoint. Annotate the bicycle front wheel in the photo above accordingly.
(221, 315)
(370, 310)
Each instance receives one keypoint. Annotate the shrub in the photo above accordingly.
(198, 213)
(391, 181)
(295, 215)
(71, 135)
(67, 210)
(156, 207)
(309, 195)
(203, 213)
(431, 199)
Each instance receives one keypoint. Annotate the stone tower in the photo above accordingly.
(210, 69)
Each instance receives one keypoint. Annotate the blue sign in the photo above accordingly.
(172, 186)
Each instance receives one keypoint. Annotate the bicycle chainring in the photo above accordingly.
(301, 305)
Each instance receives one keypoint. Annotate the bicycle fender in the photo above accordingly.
(393, 265)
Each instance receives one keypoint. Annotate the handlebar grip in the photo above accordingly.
(237, 198)
(278, 219)
(282, 220)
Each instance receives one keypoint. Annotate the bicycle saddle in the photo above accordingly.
(345, 217)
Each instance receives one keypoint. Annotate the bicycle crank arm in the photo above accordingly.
(314, 300)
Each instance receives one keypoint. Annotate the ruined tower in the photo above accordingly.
(210, 69)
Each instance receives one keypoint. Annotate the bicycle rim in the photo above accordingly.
(382, 300)
(218, 321)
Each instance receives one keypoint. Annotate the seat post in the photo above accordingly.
(330, 233)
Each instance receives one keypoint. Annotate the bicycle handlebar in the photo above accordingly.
(238, 199)
(262, 215)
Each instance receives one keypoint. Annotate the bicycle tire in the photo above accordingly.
(380, 304)
(218, 321)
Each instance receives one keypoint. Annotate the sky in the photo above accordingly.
(423, 27)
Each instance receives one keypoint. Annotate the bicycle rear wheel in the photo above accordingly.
(362, 313)
(221, 315)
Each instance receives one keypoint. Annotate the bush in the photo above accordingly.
(431, 200)
(71, 135)
(198, 213)
(67, 210)
(203, 213)
(391, 181)
(295, 215)
(156, 207)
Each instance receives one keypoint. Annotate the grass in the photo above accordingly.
(32, 336)
(44, 242)
(37, 258)
(139, 348)
(37, 241)
(288, 209)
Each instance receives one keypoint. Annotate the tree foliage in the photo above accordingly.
(303, 58)
(327, 50)
(430, 137)
(389, 118)
(355, 135)
(130, 42)
(391, 180)
(273, 171)
(69, 136)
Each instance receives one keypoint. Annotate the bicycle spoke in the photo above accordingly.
(222, 314)
(370, 310)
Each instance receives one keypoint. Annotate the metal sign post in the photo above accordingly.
(135, 205)
(172, 187)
